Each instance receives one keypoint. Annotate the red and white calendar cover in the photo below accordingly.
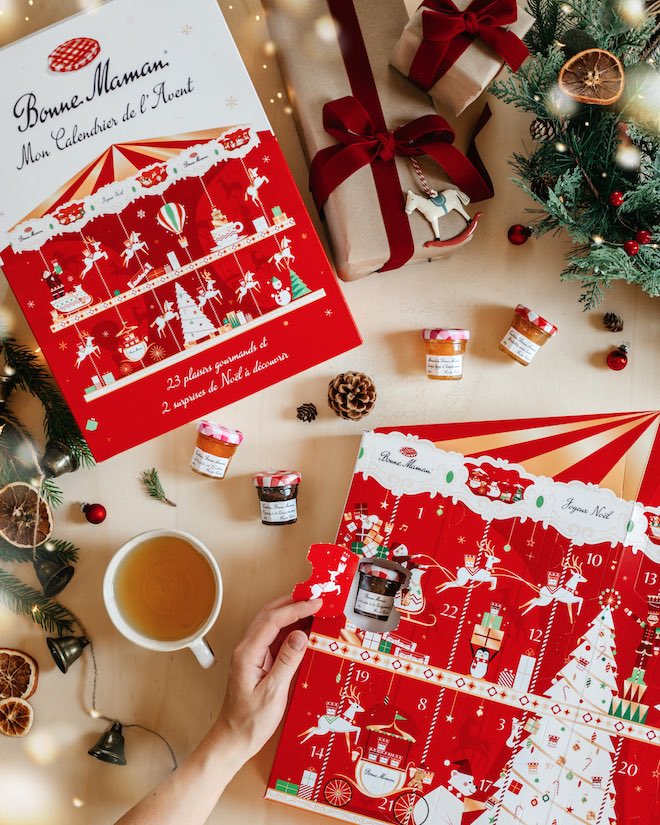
(149, 225)
(515, 680)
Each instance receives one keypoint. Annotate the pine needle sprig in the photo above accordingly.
(26, 601)
(63, 552)
(153, 486)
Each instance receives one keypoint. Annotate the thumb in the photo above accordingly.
(288, 659)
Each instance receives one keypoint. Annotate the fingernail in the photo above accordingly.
(298, 640)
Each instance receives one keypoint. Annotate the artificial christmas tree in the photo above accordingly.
(194, 324)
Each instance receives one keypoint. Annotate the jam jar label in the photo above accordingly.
(444, 365)
(520, 345)
(212, 465)
(275, 512)
(376, 605)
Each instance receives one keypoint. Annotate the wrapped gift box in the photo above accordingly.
(472, 71)
(487, 637)
(315, 74)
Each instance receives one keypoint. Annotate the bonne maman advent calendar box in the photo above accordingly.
(149, 225)
(487, 649)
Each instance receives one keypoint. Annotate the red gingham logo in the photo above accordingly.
(74, 54)
(409, 452)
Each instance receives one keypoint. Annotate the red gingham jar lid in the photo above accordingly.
(536, 319)
(381, 572)
(74, 54)
(277, 478)
(220, 433)
(446, 334)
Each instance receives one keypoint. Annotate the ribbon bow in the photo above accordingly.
(447, 32)
(359, 145)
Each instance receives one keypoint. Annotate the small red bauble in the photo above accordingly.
(616, 199)
(631, 247)
(643, 236)
(94, 513)
(618, 358)
(519, 234)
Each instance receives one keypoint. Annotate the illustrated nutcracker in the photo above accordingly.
(649, 644)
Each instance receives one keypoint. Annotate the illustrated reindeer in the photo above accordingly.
(318, 588)
(86, 349)
(338, 724)
(479, 575)
(90, 256)
(160, 322)
(246, 284)
(207, 292)
(257, 182)
(564, 594)
(133, 245)
(285, 255)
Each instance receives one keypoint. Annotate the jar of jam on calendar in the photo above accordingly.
(377, 589)
(527, 334)
(215, 449)
(278, 491)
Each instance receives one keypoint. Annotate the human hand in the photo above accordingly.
(258, 683)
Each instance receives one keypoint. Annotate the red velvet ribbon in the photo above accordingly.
(358, 124)
(359, 144)
(447, 32)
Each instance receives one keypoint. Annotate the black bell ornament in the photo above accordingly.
(66, 650)
(110, 747)
(53, 575)
(57, 460)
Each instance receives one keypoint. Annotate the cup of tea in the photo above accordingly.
(163, 591)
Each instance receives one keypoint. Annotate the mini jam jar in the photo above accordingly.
(278, 491)
(527, 334)
(376, 591)
(444, 353)
(215, 448)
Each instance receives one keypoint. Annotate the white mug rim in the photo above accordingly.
(124, 627)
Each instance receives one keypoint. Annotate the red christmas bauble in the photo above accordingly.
(94, 513)
(617, 359)
(643, 236)
(631, 247)
(519, 234)
(616, 198)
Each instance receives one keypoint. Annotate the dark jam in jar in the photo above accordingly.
(377, 589)
(278, 491)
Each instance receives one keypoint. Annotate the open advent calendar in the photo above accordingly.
(515, 678)
(149, 225)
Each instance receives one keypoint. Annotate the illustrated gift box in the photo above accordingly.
(492, 617)
(487, 637)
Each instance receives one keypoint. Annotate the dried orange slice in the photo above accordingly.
(593, 76)
(24, 517)
(16, 716)
(19, 674)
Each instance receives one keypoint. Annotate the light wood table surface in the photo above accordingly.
(44, 776)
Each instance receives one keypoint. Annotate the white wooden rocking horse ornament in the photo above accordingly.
(436, 206)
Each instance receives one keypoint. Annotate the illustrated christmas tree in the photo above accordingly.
(194, 324)
(298, 287)
(561, 773)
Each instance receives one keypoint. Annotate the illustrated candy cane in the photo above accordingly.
(517, 813)
(563, 690)
(556, 782)
(588, 763)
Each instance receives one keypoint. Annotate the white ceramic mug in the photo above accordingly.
(196, 642)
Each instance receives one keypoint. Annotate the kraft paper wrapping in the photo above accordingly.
(314, 71)
(472, 72)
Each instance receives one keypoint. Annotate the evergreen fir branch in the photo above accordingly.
(550, 23)
(153, 486)
(64, 552)
(51, 492)
(32, 376)
(26, 601)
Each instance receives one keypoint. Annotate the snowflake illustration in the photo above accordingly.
(125, 368)
(31, 304)
(105, 333)
(186, 29)
(231, 102)
(70, 278)
(157, 353)
(461, 539)
(141, 213)
(328, 312)
(265, 159)
(63, 345)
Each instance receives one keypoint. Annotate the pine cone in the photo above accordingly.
(613, 322)
(307, 412)
(351, 395)
(542, 129)
(542, 185)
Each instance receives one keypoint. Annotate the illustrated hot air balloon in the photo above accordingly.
(172, 216)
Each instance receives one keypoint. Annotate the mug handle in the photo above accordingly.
(203, 653)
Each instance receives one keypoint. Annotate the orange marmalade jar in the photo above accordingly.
(215, 448)
(527, 334)
(444, 353)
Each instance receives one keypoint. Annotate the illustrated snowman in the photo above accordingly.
(282, 294)
(447, 804)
